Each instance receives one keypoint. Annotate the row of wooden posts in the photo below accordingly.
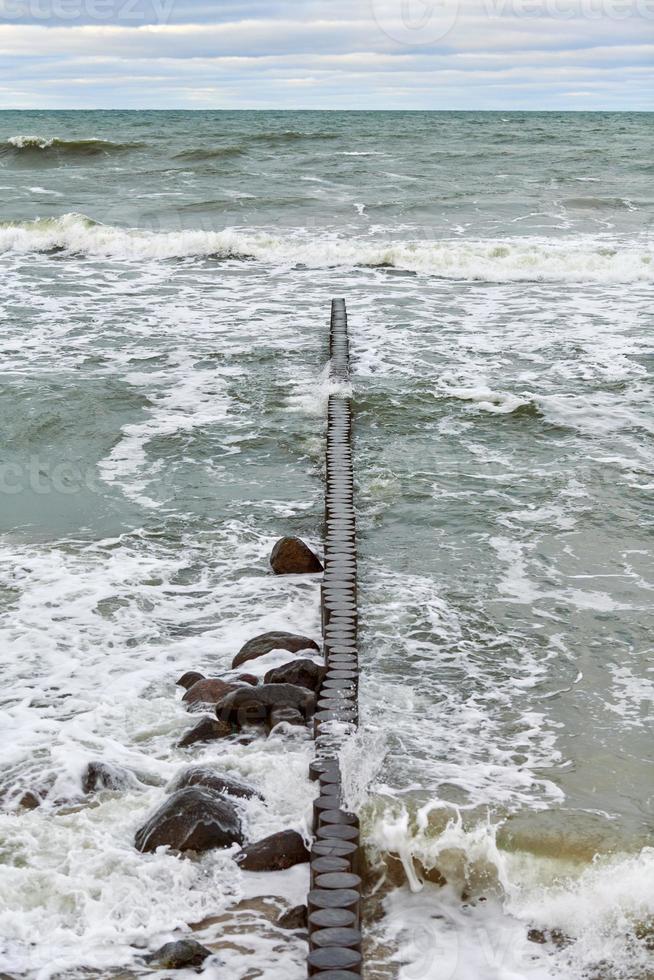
(334, 900)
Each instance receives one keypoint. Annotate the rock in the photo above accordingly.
(176, 956)
(190, 678)
(31, 800)
(104, 775)
(200, 776)
(192, 819)
(260, 645)
(207, 691)
(295, 918)
(206, 730)
(253, 705)
(284, 716)
(248, 679)
(291, 556)
(274, 853)
(304, 673)
(554, 936)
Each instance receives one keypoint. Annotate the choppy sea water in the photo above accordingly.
(163, 324)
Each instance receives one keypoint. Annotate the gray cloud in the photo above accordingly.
(327, 54)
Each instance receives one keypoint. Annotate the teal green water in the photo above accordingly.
(166, 280)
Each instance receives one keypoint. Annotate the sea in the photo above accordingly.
(164, 303)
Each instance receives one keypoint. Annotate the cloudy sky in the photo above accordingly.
(349, 54)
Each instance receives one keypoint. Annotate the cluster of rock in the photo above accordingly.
(202, 810)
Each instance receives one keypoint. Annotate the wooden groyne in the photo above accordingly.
(334, 901)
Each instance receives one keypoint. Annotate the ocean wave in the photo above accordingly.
(288, 136)
(589, 917)
(209, 153)
(42, 146)
(517, 260)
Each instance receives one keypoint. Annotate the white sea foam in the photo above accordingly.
(495, 261)
(597, 909)
(73, 876)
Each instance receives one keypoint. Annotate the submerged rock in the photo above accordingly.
(260, 645)
(207, 730)
(180, 954)
(31, 799)
(206, 691)
(192, 819)
(304, 673)
(274, 853)
(253, 705)
(285, 716)
(291, 556)
(248, 679)
(190, 678)
(201, 776)
(105, 775)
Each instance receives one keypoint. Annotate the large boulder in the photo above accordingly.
(178, 955)
(253, 705)
(207, 730)
(201, 776)
(260, 645)
(274, 853)
(304, 673)
(192, 819)
(291, 556)
(206, 691)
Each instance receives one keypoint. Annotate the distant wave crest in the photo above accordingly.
(508, 260)
(209, 153)
(44, 146)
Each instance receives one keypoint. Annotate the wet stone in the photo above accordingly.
(179, 955)
(294, 918)
(291, 556)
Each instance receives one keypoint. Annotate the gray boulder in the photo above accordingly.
(291, 556)
(274, 853)
(201, 776)
(207, 730)
(260, 645)
(178, 955)
(192, 819)
(253, 705)
(304, 673)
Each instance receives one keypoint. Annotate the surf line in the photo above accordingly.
(334, 900)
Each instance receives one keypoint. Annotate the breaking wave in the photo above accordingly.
(46, 147)
(527, 260)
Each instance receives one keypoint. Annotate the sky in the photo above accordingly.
(327, 54)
